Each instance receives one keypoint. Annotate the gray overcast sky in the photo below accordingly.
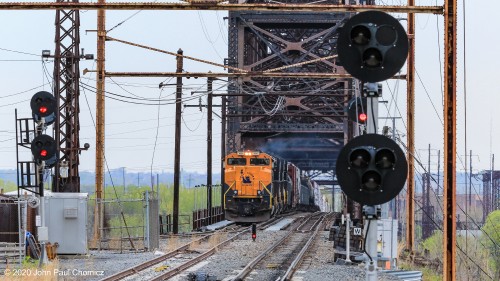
(131, 129)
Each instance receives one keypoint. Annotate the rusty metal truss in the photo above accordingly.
(299, 119)
(66, 91)
(214, 5)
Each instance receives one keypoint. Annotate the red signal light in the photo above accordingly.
(362, 117)
(42, 109)
(43, 153)
(254, 231)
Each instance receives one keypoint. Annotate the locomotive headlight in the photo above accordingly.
(235, 192)
(259, 192)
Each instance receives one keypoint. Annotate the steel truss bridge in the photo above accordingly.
(299, 119)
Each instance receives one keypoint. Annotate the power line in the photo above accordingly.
(22, 92)
(92, 89)
(19, 52)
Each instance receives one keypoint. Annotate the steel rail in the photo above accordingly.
(314, 224)
(133, 270)
(251, 265)
(297, 261)
(214, 6)
(198, 259)
(307, 220)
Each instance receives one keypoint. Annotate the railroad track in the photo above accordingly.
(277, 263)
(182, 258)
(138, 269)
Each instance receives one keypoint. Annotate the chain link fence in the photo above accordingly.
(127, 224)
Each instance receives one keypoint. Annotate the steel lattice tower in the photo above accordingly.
(66, 90)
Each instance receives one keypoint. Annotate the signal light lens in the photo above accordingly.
(254, 236)
(43, 109)
(386, 35)
(385, 159)
(371, 181)
(372, 58)
(362, 117)
(360, 35)
(43, 153)
(359, 158)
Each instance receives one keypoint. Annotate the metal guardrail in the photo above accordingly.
(405, 275)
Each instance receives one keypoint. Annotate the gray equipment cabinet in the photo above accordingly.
(65, 216)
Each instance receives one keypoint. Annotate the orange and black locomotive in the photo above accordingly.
(258, 186)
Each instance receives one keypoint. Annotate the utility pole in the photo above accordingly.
(223, 152)
(450, 141)
(123, 180)
(100, 102)
(410, 119)
(427, 214)
(177, 156)
(209, 107)
(209, 149)
(439, 172)
(394, 202)
(470, 178)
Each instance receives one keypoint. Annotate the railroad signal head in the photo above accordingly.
(372, 46)
(371, 169)
(43, 148)
(357, 110)
(43, 105)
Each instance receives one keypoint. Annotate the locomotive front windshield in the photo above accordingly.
(259, 161)
(237, 161)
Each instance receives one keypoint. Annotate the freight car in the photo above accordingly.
(258, 186)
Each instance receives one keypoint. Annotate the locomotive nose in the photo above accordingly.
(247, 210)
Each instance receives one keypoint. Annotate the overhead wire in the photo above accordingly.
(439, 55)
(156, 135)
(5, 105)
(197, 126)
(425, 89)
(126, 19)
(207, 36)
(19, 52)
(136, 121)
(221, 27)
(22, 92)
(139, 97)
(20, 60)
(46, 73)
(167, 102)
